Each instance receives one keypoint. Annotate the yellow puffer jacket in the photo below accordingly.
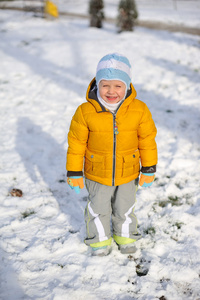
(111, 147)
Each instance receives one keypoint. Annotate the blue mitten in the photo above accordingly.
(146, 179)
(76, 183)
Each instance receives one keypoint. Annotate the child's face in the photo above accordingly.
(112, 91)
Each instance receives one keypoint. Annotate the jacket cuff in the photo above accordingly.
(73, 173)
(151, 169)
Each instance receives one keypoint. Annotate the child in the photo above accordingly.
(111, 134)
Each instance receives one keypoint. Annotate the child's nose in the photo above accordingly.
(111, 90)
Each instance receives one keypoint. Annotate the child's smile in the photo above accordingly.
(112, 91)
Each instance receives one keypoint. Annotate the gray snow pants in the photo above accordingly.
(106, 203)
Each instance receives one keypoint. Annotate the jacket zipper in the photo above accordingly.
(114, 150)
(115, 132)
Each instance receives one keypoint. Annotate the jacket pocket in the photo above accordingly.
(131, 164)
(94, 164)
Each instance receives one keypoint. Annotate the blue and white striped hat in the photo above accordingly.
(114, 66)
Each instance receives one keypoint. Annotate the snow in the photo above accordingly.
(179, 12)
(171, 11)
(182, 12)
(46, 67)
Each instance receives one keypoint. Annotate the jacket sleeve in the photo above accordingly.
(147, 145)
(77, 141)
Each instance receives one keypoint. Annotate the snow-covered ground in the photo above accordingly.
(45, 67)
(185, 12)
(181, 12)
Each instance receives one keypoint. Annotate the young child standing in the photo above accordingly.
(113, 136)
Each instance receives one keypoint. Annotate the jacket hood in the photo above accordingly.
(91, 96)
